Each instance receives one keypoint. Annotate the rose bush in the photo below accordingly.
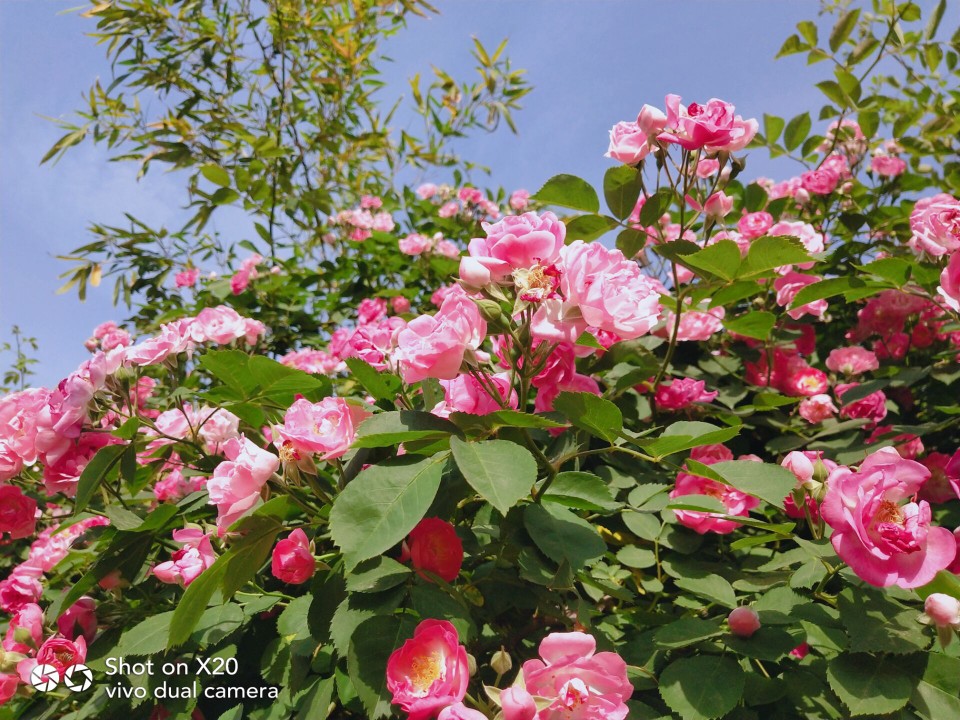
(706, 469)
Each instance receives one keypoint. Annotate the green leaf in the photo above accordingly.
(763, 480)
(767, 643)
(562, 535)
(248, 554)
(685, 435)
(823, 289)
(146, 638)
(933, 23)
(591, 413)
(569, 191)
(687, 631)
(376, 574)
(315, 704)
(483, 424)
(770, 252)
(712, 587)
(589, 227)
(194, 603)
(933, 702)
(876, 622)
(797, 130)
(722, 260)
(381, 385)
(502, 472)
(216, 174)
(756, 324)
(370, 647)
(772, 127)
(702, 687)
(383, 504)
(631, 241)
(217, 623)
(621, 189)
(754, 197)
(869, 684)
(581, 491)
(96, 471)
(844, 26)
(392, 428)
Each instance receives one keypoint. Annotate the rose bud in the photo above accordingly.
(743, 621)
(292, 560)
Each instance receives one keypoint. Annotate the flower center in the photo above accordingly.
(889, 512)
(574, 693)
(424, 670)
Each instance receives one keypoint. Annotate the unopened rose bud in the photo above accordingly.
(944, 612)
(501, 662)
(820, 472)
(743, 621)
(471, 664)
(10, 660)
(490, 310)
(23, 636)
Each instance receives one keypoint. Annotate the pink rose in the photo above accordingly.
(713, 126)
(186, 564)
(583, 684)
(517, 241)
(819, 182)
(172, 340)
(518, 704)
(695, 325)
(236, 484)
(718, 205)
(519, 200)
(327, 428)
(883, 541)
(20, 588)
(465, 394)
(216, 427)
(415, 244)
(755, 224)
(292, 561)
(707, 167)
(30, 619)
(58, 652)
(935, 222)
(433, 546)
(459, 711)
(448, 209)
(787, 287)
(888, 165)
(435, 346)
(681, 393)
(8, 687)
(370, 310)
(743, 621)
(399, 304)
(873, 406)
(853, 360)
(220, 325)
(426, 191)
(950, 282)
(628, 143)
(944, 482)
(18, 513)
(735, 502)
(943, 610)
(429, 671)
(80, 619)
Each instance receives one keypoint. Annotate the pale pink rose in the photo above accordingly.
(755, 224)
(718, 205)
(582, 683)
(601, 289)
(853, 360)
(415, 244)
(370, 202)
(447, 248)
(426, 191)
(800, 465)
(888, 166)
(846, 136)
(735, 502)
(884, 540)
(743, 621)
(220, 325)
(173, 339)
(186, 564)
(713, 127)
(30, 619)
(465, 394)
(313, 361)
(327, 428)
(174, 485)
(236, 483)
(950, 282)
(373, 342)
(517, 241)
(448, 209)
(935, 222)
(435, 346)
(817, 408)
(429, 671)
(470, 195)
(519, 200)
(695, 325)
(787, 287)
(80, 619)
(383, 222)
(18, 513)
(681, 393)
(943, 610)
(628, 143)
(873, 406)
(706, 167)
(811, 240)
(10, 463)
(292, 560)
(216, 427)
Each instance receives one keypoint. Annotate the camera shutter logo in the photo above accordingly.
(45, 678)
(78, 678)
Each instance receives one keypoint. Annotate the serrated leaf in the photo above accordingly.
(562, 535)
(591, 413)
(501, 471)
(869, 684)
(702, 687)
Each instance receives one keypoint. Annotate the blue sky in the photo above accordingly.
(591, 62)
